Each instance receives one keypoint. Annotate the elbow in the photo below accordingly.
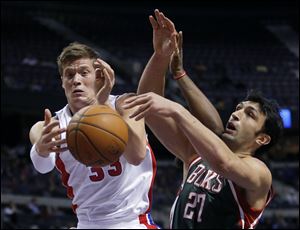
(135, 151)
(42, 164)
(137, 160)
(44, 171)
(135, 156)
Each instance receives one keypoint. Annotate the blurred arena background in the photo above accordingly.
(229, 46)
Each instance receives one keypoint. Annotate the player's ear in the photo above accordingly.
(62, 82)
(263, 139)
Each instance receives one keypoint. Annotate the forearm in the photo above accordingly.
(200, 106)
(42, 164)
(135, 151)
(170, 136)
(205, 142)
(153, 77)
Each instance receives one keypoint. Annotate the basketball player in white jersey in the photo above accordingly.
(115, 196)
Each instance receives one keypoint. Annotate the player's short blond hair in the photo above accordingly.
(73, 52)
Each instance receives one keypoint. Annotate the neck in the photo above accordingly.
(70, 111)
(74, 109)
(238, 148)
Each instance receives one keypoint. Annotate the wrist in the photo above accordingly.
(42, 164)
(37, 152)
(179, 74)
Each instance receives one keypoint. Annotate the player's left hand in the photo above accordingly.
(107, 75)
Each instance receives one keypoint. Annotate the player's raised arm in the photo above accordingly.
(164, 43)
(199, 104)
(209, 146)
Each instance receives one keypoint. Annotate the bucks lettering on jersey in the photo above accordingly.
(207, 200)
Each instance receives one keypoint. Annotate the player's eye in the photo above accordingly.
(69, 75)
(238, 107)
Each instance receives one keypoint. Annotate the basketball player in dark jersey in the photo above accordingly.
(224, 185)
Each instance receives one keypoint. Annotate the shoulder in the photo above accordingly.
(258, 164)
(257, 196)
(260, 169)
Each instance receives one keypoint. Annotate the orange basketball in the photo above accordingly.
(97, 135)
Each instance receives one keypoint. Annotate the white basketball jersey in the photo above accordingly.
(117, 193)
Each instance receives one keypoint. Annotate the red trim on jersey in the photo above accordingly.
(64, 179)
(153, 177)
(196, 159)
(251, 215)
(64, 176)
(143, 220)
(74, 207)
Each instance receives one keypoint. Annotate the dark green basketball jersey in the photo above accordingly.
(207, 200)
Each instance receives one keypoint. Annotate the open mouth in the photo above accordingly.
(230, 127)
(77, 91)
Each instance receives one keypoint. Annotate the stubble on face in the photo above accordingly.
(243, 127)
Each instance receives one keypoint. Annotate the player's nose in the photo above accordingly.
(77, 79)
(235, 116)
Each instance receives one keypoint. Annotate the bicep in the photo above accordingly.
(248, 173)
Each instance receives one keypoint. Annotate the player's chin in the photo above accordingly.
(228, 135)
(81, 102)
(78, 100)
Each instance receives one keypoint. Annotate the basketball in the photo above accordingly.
(97, 135)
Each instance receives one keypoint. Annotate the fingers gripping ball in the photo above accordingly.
(97, 135)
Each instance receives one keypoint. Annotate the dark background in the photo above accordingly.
(227, 50)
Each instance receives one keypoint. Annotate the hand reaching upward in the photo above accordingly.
(106, 75)
(164, 34)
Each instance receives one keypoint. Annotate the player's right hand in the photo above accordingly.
(50, 140)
